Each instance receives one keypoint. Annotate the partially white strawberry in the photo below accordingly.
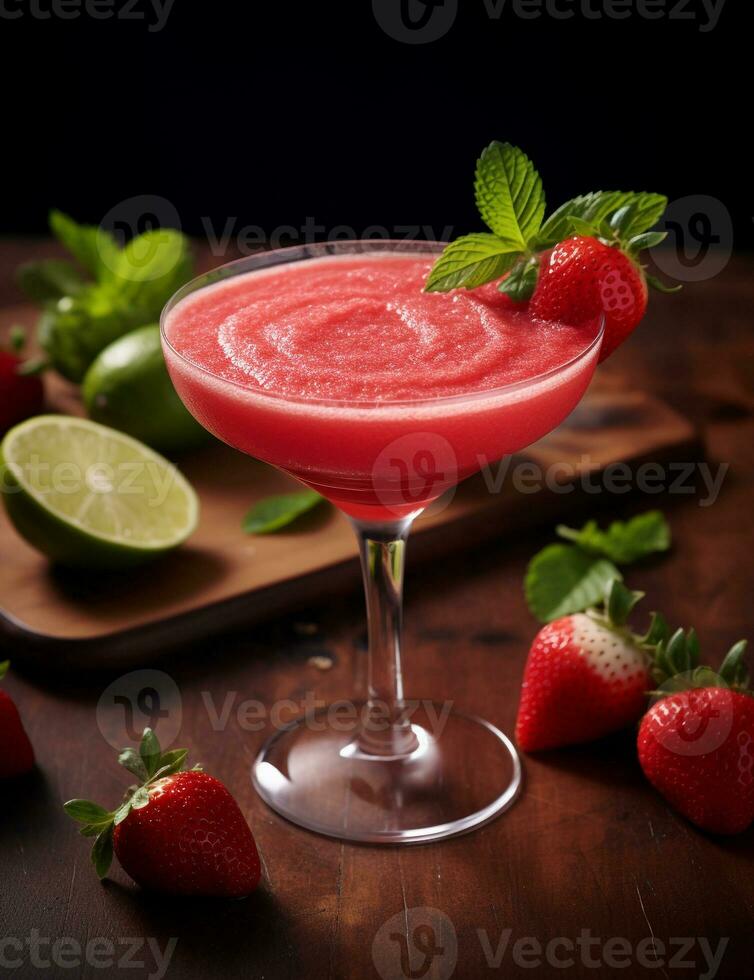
(587, 675)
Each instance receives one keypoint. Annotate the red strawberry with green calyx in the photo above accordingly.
(179, 832)
(582, 278)
(587, 675)
(16, 752)
(696, 742)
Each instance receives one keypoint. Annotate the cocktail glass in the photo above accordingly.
(385, 769)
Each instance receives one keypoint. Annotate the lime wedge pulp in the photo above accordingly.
(88, 496)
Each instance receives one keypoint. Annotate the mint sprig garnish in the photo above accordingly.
(148, 764)
(567, 578)
(511, 201)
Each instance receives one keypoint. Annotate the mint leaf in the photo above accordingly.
(591, 209)
(563, 579)
(94, 248)
(522, 281)
(471, 261)
(4, 665)
(509, 194)
(102, 852)
(48, 279)
(273, 513)
(624, 541)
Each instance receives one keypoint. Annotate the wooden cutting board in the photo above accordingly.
(223, 579)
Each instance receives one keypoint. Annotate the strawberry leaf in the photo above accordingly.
(620, 602)
(131, 760)
(471, 261)
(140, 798)
(590, 208)
(171, 762)
(563, 579)
(648, 240)
(149, 750)
(509, 194)
(102, 852)
(660, 286)
(647, 211)
(733, 670)
(84, 811)
(4, 665)
(658, 631)
(623, 542)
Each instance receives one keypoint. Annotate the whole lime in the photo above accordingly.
(128, 388)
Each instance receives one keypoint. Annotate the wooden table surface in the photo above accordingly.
(590, 860)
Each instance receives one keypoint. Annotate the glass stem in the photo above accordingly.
(386, 729)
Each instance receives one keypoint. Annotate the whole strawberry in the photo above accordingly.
(21, 396)
(179, 832)
(16, 752)
(586, 676)
(696, 746)
(582, 278)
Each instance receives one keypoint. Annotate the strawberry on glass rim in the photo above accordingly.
(583, 261)
(177, 831)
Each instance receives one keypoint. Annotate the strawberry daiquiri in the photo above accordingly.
(343, 372)
(380, 374)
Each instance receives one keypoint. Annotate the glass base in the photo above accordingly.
(444, 775)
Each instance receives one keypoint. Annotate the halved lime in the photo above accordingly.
(88, 496)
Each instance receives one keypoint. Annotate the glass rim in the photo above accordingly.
(269, 258)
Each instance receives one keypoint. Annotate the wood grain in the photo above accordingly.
(589, 846)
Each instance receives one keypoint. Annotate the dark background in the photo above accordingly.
(274, 112)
